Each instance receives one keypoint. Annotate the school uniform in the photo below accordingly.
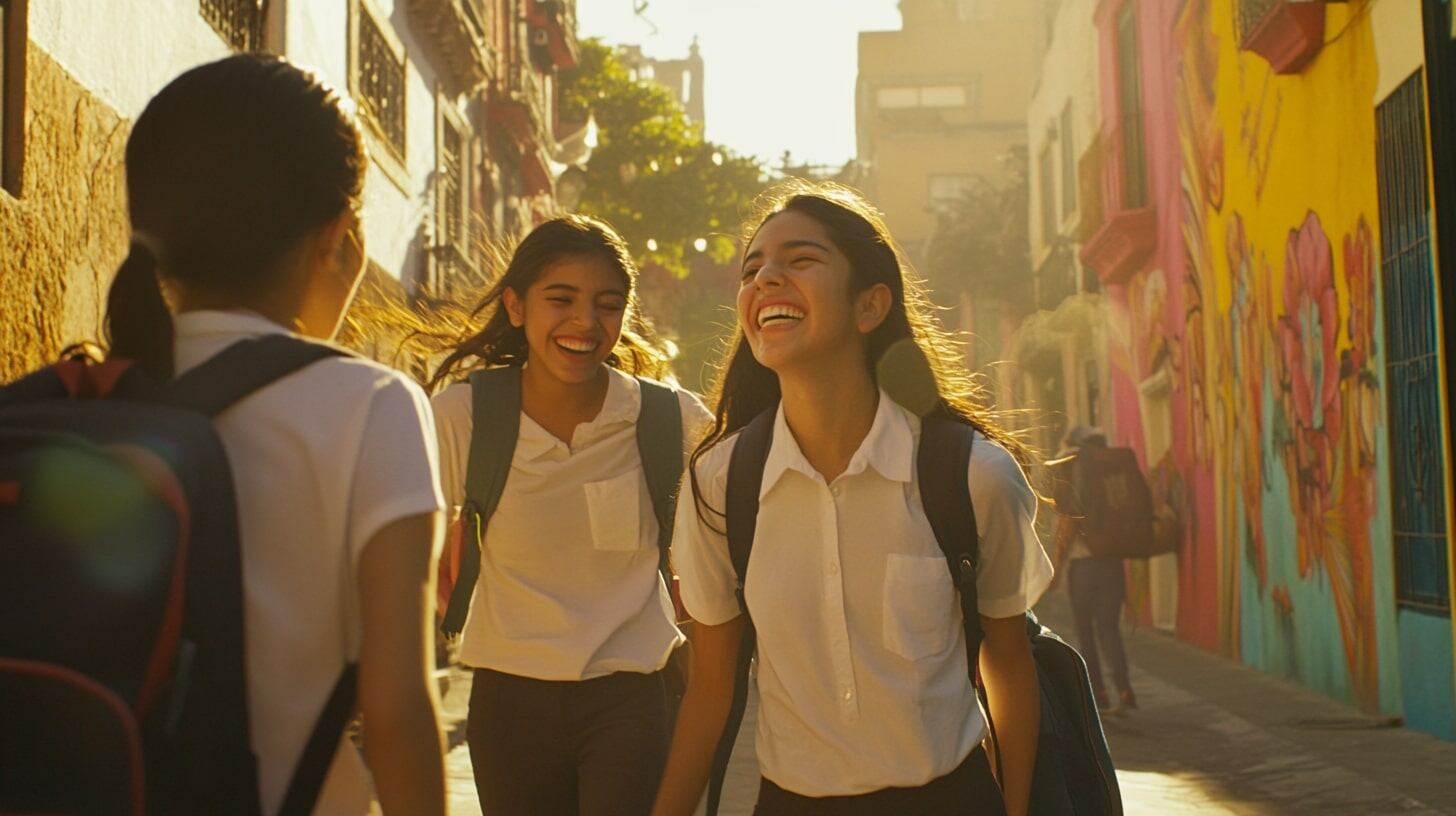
(861, 649)
(322, 460)
(570, 623)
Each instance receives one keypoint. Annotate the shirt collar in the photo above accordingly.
(241, 323)
(623, 403)
(888, 448)
(200, 334)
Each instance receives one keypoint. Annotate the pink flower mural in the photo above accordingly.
(1307, 333)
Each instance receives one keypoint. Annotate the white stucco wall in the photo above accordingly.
(317, 34)
(1068, 74)
(124, 51)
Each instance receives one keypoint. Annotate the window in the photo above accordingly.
(898, 97)
(943, 96)
(947, 190)
(928, 96)
(239, 22)
(452, 209)
(1130, 111)
(378, 79)
(1412, 367)
(1069, 163)
(1047, 192)
(12, 93)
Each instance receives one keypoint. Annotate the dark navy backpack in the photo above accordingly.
(122, 684)
(1074, 774)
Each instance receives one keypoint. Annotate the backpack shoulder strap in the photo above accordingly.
(318, 753)
(496, 422)
(745, 479)
(660, 446)
(943, 470)
(242, 368)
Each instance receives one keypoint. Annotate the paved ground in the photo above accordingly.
(1210, 737)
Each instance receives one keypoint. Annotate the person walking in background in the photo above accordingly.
(866, 704)
(1095, 580)
(244, 180)
(564, 458)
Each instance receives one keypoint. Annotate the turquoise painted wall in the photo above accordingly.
(1425, 672)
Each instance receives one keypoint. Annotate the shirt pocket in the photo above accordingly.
(615, 512)
(919, 606)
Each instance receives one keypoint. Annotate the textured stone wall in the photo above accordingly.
(62, 239)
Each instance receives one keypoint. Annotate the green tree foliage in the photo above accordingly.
(656, 179)
(652, 175)
(981, 242)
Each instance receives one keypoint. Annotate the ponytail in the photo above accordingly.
(138, 324)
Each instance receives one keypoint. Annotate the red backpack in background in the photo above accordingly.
(1116, 503)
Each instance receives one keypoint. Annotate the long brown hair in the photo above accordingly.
(227, 168)
(909, 355)
(497, 343)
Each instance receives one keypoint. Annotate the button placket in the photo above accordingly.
(837, 617)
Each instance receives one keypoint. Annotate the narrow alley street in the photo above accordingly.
(1209, 737)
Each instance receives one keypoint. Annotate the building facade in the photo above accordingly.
(435, 81)
(683, 78)
(1266, 248)
(1057, 352)
(941, 101)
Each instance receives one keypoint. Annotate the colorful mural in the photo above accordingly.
(1262, 301)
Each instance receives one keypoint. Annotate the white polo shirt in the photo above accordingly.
(321, 460)
(568, 587)
(861, 646)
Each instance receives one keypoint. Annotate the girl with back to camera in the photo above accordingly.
(865, 700)
(244, 179)
(556, 449)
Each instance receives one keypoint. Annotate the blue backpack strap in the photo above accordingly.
(242, 368)
(496, 400)
(660, 446)
(745, 480)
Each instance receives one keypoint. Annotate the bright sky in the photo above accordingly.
(779, 74)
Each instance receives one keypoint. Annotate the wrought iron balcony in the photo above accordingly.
(519, 103)
(556, 20)
(1128, 233)
(1287, 33)
(459, 30)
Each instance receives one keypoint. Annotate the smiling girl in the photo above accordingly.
(865, 702)
(569, 624)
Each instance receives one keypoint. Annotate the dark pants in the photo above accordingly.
(550, 748)
(969, 790)
(1097, 590)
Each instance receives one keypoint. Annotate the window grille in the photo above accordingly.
(1412, 372)
(452, 186)
(453, 252)
(380, 83)
(239, 22)
(1130, 109)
